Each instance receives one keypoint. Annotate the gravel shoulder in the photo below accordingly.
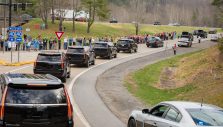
(110, 85)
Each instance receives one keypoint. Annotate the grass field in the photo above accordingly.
(196, 75)
(101, 29)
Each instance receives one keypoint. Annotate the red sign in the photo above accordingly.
(59, 35)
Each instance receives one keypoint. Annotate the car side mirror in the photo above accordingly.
(145, 111)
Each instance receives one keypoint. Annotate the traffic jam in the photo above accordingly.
(41, 99)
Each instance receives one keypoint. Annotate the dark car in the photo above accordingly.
(127, 45)
(54, 63)
(187, 35)
(34, 100)
(81, 55)
(154, 42)
(202, 34)
(105, 49)
(157, 23)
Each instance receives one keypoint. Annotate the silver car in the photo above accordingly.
(178, 114)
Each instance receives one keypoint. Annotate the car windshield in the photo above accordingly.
(100, 45)
(35, 96)
(52, 58)
(206, 117)
(75, 50)
(123, 42)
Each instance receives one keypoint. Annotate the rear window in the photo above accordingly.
(75, 50)
(206, 117)
(100, 45)
(124, 42)
(35, 96)
(52, 58)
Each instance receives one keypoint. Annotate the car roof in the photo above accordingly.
(126, 39)
(190, 105)
(79, 47)
(51, 52)
(19, 78)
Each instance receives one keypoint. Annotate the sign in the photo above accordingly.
(59, 35)
(15, 34)
(27, 29)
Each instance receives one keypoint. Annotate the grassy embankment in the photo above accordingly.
(190, 77)
(101, 29)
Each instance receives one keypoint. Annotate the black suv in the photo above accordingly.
(128, 45)
(54, 63)
(34, 100)
(202, 34)
(81, 55)
(105, 49)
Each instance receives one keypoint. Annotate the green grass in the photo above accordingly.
(148, 76)
(101, 29)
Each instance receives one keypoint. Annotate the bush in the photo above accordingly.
(220, 45)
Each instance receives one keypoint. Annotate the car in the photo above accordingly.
(187, 35)
(52, 62)
(202, 34)
(184, 41)
(34, 100)
(127, 45)
(212, 31)
(157, 23)
(113, 20)
(195, 32)
(81, 55)
(177, 114)
(105, 49)
(214, 37)
(154, 42)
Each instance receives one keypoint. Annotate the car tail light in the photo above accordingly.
(70, 107)
(2, 108)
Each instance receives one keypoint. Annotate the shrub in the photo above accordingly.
(220, 45)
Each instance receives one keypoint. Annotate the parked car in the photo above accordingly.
(212, 31)
(187, 35)
(177, 114)
(105, 49)
(155, 42)
(113, 20)
(81, 55)
(214, 37)
(185, 41)
(157, 23)
(195, 32)
(52, 62)
(127, 45)
(34, 100)
(202, 34)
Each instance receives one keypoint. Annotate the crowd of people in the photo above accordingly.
(52, 43)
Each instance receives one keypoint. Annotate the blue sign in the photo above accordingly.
(19, 28)
(11, 34)
(12, 39)
(18, 39)
(18, 34)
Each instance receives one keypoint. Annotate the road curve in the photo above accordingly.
(88, 100)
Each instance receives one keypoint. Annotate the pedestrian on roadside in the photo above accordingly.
(175, 49)
(65, 43)
(51, 43)
(199, 39)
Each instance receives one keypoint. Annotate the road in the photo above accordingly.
(82, 90)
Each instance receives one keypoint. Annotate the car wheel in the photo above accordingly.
(131, 123)
(64, 79)
(130, 51)
(118, 51)
(93, 62)
(115, 56)
(87, 64)
(135, 50)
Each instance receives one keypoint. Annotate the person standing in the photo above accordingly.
(199, 39)
(65, 43)
(175, 49)
(51, 43)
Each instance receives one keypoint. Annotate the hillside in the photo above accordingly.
(191, 77)
(187, 12)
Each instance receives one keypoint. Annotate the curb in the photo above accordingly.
(16, 63)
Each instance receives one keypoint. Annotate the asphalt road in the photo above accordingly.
(115, 95)
(89, 109)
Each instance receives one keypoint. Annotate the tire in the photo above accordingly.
(87, 64)
(131, 123)
(135, 50)
(93, 62)
(118, 51)
(64, 79)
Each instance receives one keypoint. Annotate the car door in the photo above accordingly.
(155, 116)
(170, 119)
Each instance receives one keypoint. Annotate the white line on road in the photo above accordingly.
(19, 69)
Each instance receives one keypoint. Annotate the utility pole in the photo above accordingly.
(4, 26)
(10, 13)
